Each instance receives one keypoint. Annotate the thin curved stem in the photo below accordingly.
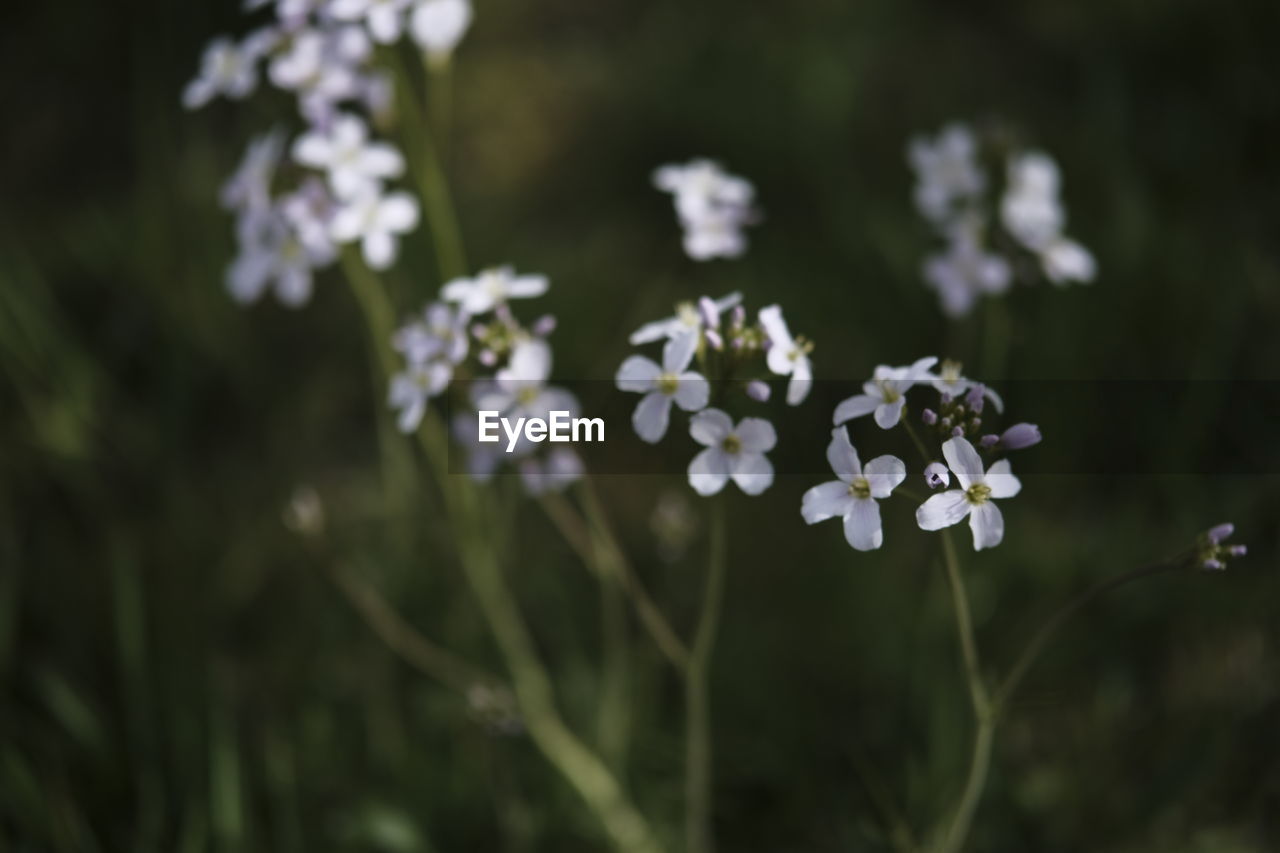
(979, 764)
(698, 835)
(964, 628)
(1063, 615)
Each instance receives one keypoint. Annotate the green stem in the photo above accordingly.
(698, 835)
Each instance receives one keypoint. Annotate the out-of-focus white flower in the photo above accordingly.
(973, 498)
(520, 389)
(343, 150)
(966, 270)
(250, 187)
(555, 472)
(687, 319)
(440, 333)
(413, 387)
(323, 68)
(271, 253)
(438, 25)
(1030, 209)
(308, 210)
(732, 453)
(491, 288)
(787, 356)
(225, 69)
(1065, 260)
(375, 220)
(712, 205)
(662, 384)
(885, 393)
(384, 18)
(947, 171)
(853, 495)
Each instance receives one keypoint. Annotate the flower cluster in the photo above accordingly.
(1213, 555)
(955, 418)
(470, 331)
(322, 53)
(730, 354)
(712, 206)
(984, 251)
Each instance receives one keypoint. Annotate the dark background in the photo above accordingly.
(178, 672)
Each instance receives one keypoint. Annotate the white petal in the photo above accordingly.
(679, 351)
(527, 286)
(692, 392)
(397, 213)
(885, 473)
(650, 332)
(709, 471)
(862, 525)
(753, 472)
(779, 360)
(855, 407)
(379, 250)
(651, 416)
(757, 435)
(963, 461)
(312, 149)
(775, 327)
(828, 500)
(710, 427)
(1000, 479)
(636, 374)
(381, 160)
(411, 415)
(843, 456)
(987, 525)
(943, 510)
(801, 381)
(888, 414)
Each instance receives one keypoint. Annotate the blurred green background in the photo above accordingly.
(178, 671)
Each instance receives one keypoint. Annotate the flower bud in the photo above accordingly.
(929, 416)
(714, 339)
(1238, 550)
(946, 398)
(758, 391)
(957, 431)
(1222, 531)
(974, 398)
(488, 357)
(988, 441)
(710, 315)
(936, 475)
(739, 316)
(544, 325)
(1019, 436)
(1213, 564)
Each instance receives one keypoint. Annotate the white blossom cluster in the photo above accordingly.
(713, 207)
(730, 354)
(509, 371)
(322, 53)
(956, 421)
(988, 248)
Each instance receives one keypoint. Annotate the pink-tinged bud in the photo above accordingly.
(1238, 550)
(957, 431)
(1214, 565)
(739, 316)
(974, 398)
(479, 330)
(988, 441)
(1222, 531)
(544, 325)
(936, 475)
(488, 357)
(974, 423)
(710, 315)
(946, 398)
(1019, 436)
(713, 338)
(929, 416)
(759, 391)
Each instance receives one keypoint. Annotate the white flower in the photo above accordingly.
(712, 206)
(384, 18)
(787, 356)
(687, 319)
(966, 270)
(308, 210)
(1030, 208)
(1065, 261)
(731, 453)
(413, 387)
(973, 498)
(520, 389)
(322, 67)
(946, 171)
(250, 187)
(438, 25)
(557, 471)
(376, 221)
(663, 384)
(885, 393)
(853, 496)
(492, 287)
(440, 333)
(225, 69)
(343, 150)
(272, 253)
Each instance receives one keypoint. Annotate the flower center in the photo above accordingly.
(978, 493)
(731, 444)
(860, 488)
(527, 395)
(668, 383)
(889, 391)
(687, 314)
